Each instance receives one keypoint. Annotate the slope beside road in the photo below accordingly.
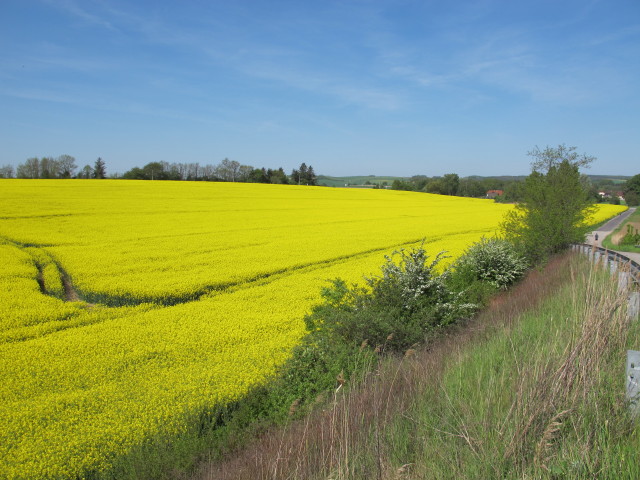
(609, 227)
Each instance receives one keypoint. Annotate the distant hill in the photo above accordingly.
(505, 178)
(366, 180)
(357, 180)
(616, 179)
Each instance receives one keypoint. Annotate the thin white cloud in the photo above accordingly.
(510, 59)
(73, 9)
(620, 35)
(230, 48)
(39, 95)
(325, 84)
(85, 65)
(88, 100)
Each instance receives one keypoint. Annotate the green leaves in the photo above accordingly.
(492, 260)
(400, 307)
(555, 207)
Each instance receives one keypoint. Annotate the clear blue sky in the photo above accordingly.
(396, 87)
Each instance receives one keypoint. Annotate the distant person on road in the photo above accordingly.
(596, 237)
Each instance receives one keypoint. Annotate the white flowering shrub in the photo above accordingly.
(491, 260)
(398, 308)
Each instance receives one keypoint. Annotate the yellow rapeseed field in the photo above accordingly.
(129, 307)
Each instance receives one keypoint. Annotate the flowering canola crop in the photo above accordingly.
(129, 307)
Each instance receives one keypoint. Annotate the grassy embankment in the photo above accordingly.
(612, 241)
(531, 388)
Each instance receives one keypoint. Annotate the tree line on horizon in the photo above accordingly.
(513, 189)
(63, 166)
(227, 170)
(451, 184)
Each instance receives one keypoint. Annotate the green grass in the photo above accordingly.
(542, 398)
(607, 243)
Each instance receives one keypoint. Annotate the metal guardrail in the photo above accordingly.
(610, 256)
(629, 270)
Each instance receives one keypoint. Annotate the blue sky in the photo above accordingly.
(357, 87)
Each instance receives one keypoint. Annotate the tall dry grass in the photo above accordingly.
(559, 386)
(549, 399)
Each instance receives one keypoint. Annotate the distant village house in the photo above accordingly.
(609, 195)
(494, 193)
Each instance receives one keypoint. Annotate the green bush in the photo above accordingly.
(396, 309)
(630, 237)
(491, 260)
(406, 304)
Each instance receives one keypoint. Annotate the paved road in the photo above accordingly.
(609, 227)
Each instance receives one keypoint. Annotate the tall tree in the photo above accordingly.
(471, 188)
(99, 169)
(193, 171)
(555, 204)
(632, 190)
(154, 171)
(277, 176)
(66, 166)
(311, 176)
(228, 170)
(259, 175)
(295, 176)
(451, 183)
(436, 185)
(6, 171)
(207, 172)
(172, 170)
(398, 184)
(30, 168)
(550, 157)
(513, 192)
(136, 173)
(49, 167)
(419, 182)
(244, 172)
(304, 175)
(86, 172)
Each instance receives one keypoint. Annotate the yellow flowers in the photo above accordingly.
(193, 292)
(604, 211)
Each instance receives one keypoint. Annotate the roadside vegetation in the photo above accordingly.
(625, 238)
(531, 388)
